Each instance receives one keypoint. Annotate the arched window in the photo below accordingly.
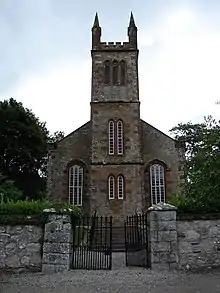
(115, 72)
(111, 187)
(111, 137)
(107, 72)
(120, 137)
(120, 187)
(157, 183)
(75, 185)
(122, 72)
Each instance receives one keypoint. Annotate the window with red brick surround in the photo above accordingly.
(120, 138)
(111, 187)
(116, 137)
(120, 183)
(116, 186)
(111, 137)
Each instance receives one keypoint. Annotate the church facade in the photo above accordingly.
(115, 164)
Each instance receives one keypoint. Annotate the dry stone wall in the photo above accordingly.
(172, 243)
(199, 244)
(21, 248)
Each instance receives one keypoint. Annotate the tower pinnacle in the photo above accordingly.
(132, 32)
(96, 21)
(96, 32)
(132, 22)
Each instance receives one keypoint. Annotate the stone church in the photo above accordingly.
(116, 164)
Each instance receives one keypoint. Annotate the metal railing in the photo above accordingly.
(136, 241)
(92, 243)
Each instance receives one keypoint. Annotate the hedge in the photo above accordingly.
(195, 204)
(31, 212)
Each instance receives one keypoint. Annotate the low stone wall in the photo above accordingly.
(182, 243)
(172, 243)
(199, 244)
(21, 248)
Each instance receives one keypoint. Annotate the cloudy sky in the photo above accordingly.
(45, 57)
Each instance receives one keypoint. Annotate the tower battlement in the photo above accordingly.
(97, 45)
(111, 46)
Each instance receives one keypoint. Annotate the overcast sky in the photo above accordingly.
(45, 59)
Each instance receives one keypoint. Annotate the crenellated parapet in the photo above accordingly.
(97, 45)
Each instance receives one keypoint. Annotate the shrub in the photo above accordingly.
(9, 191)
(32, 207)
(195, 204)
(31, 212)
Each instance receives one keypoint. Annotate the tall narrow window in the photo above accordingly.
(120, 137)
(75, 185)
(111, 138)
(115, 72)
(120, 187)
(111, 187)
(157, 183)
(107, 72)
(122, 72)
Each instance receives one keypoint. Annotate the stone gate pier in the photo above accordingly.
(57, 247)
(162, 236)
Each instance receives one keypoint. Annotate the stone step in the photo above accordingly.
(121, 238)
(118, 244)
(118, 234)
(118, 249)
(118, 240)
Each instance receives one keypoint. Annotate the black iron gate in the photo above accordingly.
(136, 241)
(92, 243)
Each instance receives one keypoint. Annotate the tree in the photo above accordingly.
(202, 166)
(55, 137)
(51, 144)
(9, 191)
(23, 147)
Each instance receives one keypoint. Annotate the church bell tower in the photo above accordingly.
(115, 118)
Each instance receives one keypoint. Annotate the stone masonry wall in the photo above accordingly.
(157, 145)
(20, 248)
(103, 93)
(162, 237)
(183, 244)
(74, 148)
(199, 243)
(117, 208)
(129, 114)
(172, 244)
(57, 248)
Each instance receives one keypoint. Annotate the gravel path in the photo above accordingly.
(121, 280)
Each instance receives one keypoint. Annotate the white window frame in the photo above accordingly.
(111, 187)
(157, 182)
(76, 185)
(120, 183)
(111, 137)
(120, 137)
